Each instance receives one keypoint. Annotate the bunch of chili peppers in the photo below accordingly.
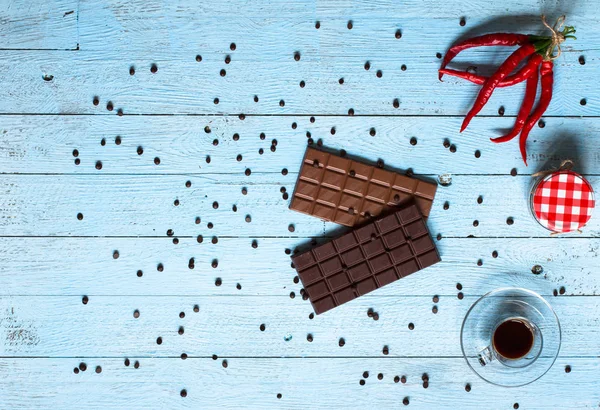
(537, 52)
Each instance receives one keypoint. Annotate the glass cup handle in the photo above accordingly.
(486, 356)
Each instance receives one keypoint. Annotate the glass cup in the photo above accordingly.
(495, 352)
(532, 315)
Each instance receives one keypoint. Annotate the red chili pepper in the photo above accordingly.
(523, 74)
(547, 82)
(496, 39)
(526, 106)
(488, 88)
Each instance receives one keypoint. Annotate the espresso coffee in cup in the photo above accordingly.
(513, 338)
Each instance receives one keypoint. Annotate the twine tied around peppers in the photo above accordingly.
(558, 37)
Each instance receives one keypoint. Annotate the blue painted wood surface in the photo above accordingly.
(56, 56)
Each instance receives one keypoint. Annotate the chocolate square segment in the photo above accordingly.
(387, 276)
(368, 190)
(394, 238)
(310, 275)
(333, 179)
(409, 214)
(374, 247)
(416, 229)
(317, 290)
(388, 223)
(303, 260)
(338, 164)
(359, 271)
(366, 233)
(337, 281)
(323, 305)
(366, 286)
(366, 259)
(331, 266)
(344, 242)
(352, 257)
(324, 251)
(345, 295)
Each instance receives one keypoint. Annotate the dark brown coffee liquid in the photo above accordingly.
(513, 339)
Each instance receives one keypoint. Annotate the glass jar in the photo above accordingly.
(562, 201)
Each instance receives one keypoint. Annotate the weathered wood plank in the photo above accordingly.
(45, 25)
(45, 144)
(85, 266)
(186, 27)
(302, 383)
(230, 326)
(154, 10)
(184, 86)
(144, 205)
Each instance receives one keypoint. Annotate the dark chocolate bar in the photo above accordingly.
(366, 259)
(348, 192)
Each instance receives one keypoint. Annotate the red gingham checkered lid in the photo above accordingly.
(563, 201)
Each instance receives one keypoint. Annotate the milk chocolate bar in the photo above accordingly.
(348, 192)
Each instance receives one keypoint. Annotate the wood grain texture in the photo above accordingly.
(183, 86)
(45, 25)
(255, 383)
(45, 144)
(144, 205)
(316, 9)
(229, 326)
(140, 26)
(50, 260)
(85, 266)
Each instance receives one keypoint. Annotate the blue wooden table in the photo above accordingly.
(101, 213)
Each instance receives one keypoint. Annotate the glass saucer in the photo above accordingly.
(495, 307)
